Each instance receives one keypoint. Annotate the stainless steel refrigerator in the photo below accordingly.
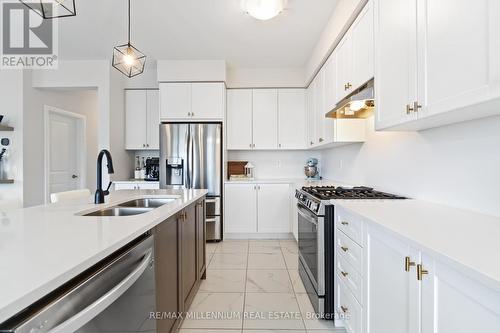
(191, 157)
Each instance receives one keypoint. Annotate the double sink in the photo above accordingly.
(132, 207)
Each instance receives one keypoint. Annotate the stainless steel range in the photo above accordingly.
(317, 240)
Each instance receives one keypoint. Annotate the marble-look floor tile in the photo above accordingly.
(291, 260)
(268, 281)
(272, 311)
(266, 261)
(309, 315)
(228, 261)
(232, 246)
(211, 247)
(289, 247)
(224, 281)
(198, 330)
(274, 331)
(297, 284)
(266, 246)
(215, 311)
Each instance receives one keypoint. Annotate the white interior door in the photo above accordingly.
(64, 149)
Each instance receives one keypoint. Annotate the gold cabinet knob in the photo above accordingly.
(344, 223)
(344, 308)
(344, 274)
(408, 264)
(344, 248)
(421, 272)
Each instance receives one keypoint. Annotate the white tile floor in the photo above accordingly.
(256, 286)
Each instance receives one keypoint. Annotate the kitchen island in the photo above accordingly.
(43, 247)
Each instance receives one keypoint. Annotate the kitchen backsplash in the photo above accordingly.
(275, 164)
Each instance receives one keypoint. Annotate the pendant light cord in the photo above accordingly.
(129, 22)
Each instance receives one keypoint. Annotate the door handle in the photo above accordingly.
(408, 264)
(74, 176)
(344, 274)
(344, 248)
(421, 272)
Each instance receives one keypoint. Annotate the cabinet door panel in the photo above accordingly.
(153, 101)
(175, 100)
(362, 47)
(239, 119)
(344, 66)
(135, 119)
(189, 274)
(388, 284)
(291, 114)
(265, 118)
(331, 76)
(395, 61)
(454, 303)
(273, 208)
(166, 272)
(240, 208)
(201, 237)
(208, 100)
(453, 54)
(311, 116)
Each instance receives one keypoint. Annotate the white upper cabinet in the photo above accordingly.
(175, 100)
(395, 61)
(239, 119)
(265, 118)
(192, 101)
(291, 119)
(208, 100)
(453, 54)
(331, 77)
(142, 119)
(344, 67)
(311, 115)
(362, 47)
(432, 70)
(153, 119)
(319, 106)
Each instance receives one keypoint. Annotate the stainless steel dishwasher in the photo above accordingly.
(115, 295)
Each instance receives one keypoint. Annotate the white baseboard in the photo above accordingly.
(258, 236)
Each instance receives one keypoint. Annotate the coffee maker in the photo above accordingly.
(152, 169)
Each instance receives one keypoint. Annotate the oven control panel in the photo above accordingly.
(307, 201)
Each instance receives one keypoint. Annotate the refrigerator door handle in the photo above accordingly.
(189, 171)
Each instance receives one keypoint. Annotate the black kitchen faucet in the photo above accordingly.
(99, 193)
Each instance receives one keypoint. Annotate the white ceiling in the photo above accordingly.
(196, 29)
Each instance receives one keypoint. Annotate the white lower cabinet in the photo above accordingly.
(454, 303)
(388, 295)
(257, 208)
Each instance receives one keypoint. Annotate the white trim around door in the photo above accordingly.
(80, 148)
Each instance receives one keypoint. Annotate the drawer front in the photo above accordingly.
(349, 251)
(124, 186)
(351, 279)
(350, 224)
(147, 186)
(350, 309)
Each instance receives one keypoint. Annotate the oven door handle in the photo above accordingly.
(308, 216)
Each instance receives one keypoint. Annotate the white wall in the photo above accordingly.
(457, 165)
(11, 96)
(275, 164)
(265, 77)
(79, 101)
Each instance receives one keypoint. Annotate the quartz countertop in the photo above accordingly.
(464, 238)
(42, 247)
(297, 182)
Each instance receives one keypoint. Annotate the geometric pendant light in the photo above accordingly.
(50, 9)
(126, 58)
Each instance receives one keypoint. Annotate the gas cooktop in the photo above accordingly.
(360, 192)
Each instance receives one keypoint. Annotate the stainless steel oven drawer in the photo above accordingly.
(213, 224)
(213, 206)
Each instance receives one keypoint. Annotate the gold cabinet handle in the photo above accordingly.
(344, 274)
(312, 143)
(416, 106)
(344, 308)
(346, 86)
(344, 248)
(409, 109)
(421, 272)
(321, 140)
(408, 264)
(344, 223)
(349, 85)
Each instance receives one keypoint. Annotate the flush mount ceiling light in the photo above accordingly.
(49, 9)
(263, 9)
(126, 58)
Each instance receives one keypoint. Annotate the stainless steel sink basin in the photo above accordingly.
(120, 211)
(147, 202)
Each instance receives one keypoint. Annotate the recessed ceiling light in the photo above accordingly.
(263, 9)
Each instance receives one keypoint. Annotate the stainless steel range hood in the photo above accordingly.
(358, 104)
